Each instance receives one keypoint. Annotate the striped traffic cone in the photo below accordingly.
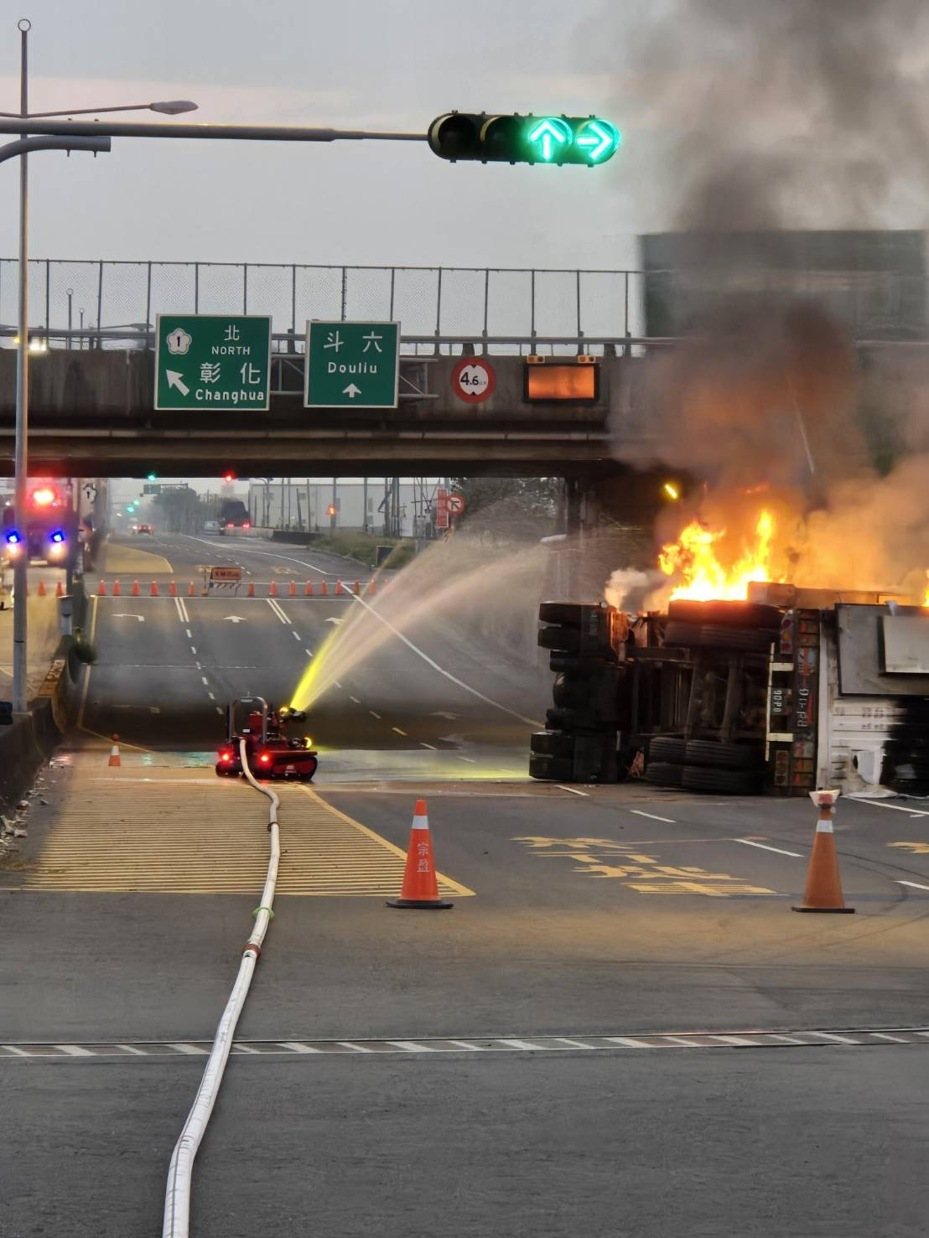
(135, 588)
(338, 588)
(191, 590)
(823, 891)
(172, 589)
(308, 589)
(117, 589)
(153, 592)
(272, 589)
(292, 589)
(101, 589)
(420, 884)
(114, 753)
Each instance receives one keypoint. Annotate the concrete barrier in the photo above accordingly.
(32, 739)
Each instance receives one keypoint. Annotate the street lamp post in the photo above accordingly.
(170, 107)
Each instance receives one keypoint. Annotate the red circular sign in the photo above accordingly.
(473, 380)
(455, 504)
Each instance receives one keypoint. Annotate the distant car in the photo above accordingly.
(144, 528)
(211, 526)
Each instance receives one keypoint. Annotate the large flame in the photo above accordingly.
(694, 560)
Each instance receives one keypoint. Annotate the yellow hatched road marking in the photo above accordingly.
(188, 836)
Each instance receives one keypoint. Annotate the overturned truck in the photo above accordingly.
(790, 690)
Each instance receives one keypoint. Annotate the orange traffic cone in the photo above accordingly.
(117, 591)
(324, 589)
(135, 588)
(292, 589)
(272, 589)
(41, 591)
(338, 588)
(59, 590)
(172, 589)
(823, 891)
(114, 752)
(250, 591)
(153, 592)
(308, 589)
(101, 589)
(191, 590)
(372, 586)
(420, 886)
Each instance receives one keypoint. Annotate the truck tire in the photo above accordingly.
(721, 755)
(664, 773)
(552, 769)
(708, 636)
(552, 744)
(722, 781)
(726, 613)
(667, 748)
(565, 640)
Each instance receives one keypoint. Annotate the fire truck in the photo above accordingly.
(50, 532)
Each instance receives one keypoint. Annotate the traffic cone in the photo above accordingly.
(172, 589)
(292, 589)
(420, 886)
(135, 588)
(372, 586)
(191, 590)
(338, 588)
(324, 590)
(272, 589)
(356, 587)
(250, 591)
(308, 589)
(101, 589)
(117, 591)
(114, 753)
(41, 591)
(154, 589)
(823, 891)
(59, 590)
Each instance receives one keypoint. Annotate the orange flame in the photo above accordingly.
(694, 559)
(926, 591)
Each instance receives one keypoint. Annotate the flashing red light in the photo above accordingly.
(264, 758)
(44, 496)
(225, 755)
(246, 524)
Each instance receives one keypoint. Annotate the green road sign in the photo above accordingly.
(352, 364)
(212, 361)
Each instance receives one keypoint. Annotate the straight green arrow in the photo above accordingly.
(549, 134)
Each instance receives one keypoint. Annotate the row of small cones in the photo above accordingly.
(293, 590)
(42, 590)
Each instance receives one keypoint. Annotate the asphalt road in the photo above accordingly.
(403, 1071)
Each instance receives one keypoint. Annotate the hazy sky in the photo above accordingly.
(355, 63)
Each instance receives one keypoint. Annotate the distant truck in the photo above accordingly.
(233, 514)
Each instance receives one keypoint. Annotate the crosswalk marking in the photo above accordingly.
(256, 1050)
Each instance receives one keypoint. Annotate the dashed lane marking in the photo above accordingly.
(189, 835)
(186, 1049)
(750, 842)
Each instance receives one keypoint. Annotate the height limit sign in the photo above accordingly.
(352, 364)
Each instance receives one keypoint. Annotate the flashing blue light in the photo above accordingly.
(58, 537)
(13, 538)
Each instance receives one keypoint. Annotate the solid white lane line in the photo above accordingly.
(639, 813)
(913, 812)
(914, 885)
(573, 790)
(748, 842)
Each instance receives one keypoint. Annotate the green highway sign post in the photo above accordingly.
(212, 361)
(352, 364)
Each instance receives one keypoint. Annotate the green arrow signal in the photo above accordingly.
(598, 139)
(549, 134)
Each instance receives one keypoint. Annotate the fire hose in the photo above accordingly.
(180, 1172)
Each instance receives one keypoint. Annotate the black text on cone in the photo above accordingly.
(420, 884)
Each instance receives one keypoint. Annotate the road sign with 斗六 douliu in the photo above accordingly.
(352, 364)
(212, 361)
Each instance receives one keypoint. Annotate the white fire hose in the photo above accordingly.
(180, 1173)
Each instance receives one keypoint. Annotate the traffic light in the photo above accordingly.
(152, 476)
(523, 139)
